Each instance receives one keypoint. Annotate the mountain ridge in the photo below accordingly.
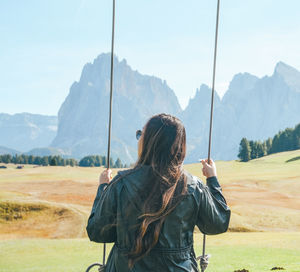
(252, 107)
(24, 131)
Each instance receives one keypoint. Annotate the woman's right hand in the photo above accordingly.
(209, 170)
(105, 177)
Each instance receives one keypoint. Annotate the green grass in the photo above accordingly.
(257, 252)
(270, 168)
(50, 173)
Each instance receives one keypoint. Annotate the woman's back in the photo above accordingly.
(150, 211)
(116, 217)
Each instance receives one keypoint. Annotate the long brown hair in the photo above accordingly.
(164, 149)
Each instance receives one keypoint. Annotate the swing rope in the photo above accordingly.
(110, 100)
(204, 257)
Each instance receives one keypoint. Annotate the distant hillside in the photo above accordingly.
(24, 131)
(45, 151)
(5, 150)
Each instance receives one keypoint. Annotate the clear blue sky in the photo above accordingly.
(44, 44)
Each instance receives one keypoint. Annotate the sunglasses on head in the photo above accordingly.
(138, 134)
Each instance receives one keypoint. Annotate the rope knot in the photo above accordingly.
(102, 268)
(204, 261)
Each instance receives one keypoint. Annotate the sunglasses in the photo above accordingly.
(138, 134)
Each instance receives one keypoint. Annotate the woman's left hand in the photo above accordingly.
(105, 177)
(209, 170)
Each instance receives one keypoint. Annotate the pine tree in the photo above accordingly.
(91, 161)
(286, 140)
(24, 159)
(253, 149)
(296, 137)
(37, 160)
(98, 161)
(53, 161)
(63, 162)
(269, 145)
(7, 158)
(118, 163)
(261, 150)
(16, 159)
(104, 161)
(275, 143)
(31, 159)
(45, 161)
(73, 162)
(244, 150)
(111, 163)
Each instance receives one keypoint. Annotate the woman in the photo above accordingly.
(150, 211)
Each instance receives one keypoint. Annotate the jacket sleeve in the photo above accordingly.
(213, 214)
(101, 225)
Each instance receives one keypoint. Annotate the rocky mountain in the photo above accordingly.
(252, 107)
(24, 131)
(289, 74)
(255, 108)
(83, 117)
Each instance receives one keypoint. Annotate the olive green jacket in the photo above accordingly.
(115, 214)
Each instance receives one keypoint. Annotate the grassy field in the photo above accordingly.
(44, 210)
(256, 252)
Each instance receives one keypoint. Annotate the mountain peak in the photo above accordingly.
(290, 75)
(241, 84)
(243, 78)
(202, 97)
(204, 92)
(282, 68)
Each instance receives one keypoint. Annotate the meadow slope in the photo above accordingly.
(263, 195)
(44, 210)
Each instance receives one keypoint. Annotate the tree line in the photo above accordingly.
(96, 160)
(38, 160)
(87, 161)
(286, 140)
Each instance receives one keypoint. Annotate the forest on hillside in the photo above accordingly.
(286, 140)
(87, 161)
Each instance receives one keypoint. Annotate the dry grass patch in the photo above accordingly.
(29, 220)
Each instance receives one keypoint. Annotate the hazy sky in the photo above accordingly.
(44, 44)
